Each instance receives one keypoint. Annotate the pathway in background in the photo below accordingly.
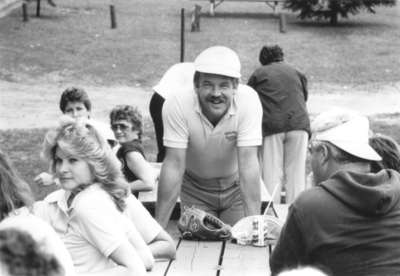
(34, 105)
(6, 6)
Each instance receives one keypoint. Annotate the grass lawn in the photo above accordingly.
(74, 42)
(25, 153)
(74, 45)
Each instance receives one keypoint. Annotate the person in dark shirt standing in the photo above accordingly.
(285, 125)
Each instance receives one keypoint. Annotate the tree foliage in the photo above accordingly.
(330, 9)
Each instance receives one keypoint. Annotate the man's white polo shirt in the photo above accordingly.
(212, 151)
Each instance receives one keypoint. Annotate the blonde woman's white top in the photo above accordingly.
(91, 228)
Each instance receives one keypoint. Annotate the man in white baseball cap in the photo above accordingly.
(349, 222)
(211, 133)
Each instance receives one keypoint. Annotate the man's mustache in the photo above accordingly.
(214, 98)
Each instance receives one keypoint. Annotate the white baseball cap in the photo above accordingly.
(347, 130)
(219, 60)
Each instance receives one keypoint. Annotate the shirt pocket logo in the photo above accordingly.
(231, 135)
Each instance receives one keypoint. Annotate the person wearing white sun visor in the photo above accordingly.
(349, 222)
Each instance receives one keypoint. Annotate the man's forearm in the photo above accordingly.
(249, 172)
(140, 185)
(250, 187)
(166, 201)
(168, 191)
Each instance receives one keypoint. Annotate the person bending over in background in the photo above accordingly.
(126, 123)
(179, 77)
(75, 102)
(285, 124)
(16, 212)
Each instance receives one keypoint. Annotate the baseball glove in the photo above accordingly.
(196, 224)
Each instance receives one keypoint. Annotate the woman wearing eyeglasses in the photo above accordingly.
(126, 123)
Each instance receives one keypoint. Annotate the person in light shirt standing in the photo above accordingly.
(179, 77)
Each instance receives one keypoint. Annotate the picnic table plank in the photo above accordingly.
(245, 260)
(159, 268)
(161, 265)
(196, 258)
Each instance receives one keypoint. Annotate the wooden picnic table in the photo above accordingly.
(224, 258)
(215, 3)
(204, 258)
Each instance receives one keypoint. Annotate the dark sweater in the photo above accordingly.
(349, 224)
(134, 145)
(283, 94)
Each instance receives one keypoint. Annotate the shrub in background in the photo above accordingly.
(331, 9)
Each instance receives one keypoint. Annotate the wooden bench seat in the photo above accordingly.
(215, 3)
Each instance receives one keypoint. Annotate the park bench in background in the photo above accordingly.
(272, 3)
(6, 6)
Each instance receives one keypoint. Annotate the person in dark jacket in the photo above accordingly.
(349, 223)
(388, 149)
(285, 125)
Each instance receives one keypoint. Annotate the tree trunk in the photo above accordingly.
(334, 18)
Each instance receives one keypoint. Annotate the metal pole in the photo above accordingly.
(38, 8)
(24, 12)
(182, 35)
(282, 23)
(113, 18)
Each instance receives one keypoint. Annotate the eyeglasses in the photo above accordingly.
(122, 127)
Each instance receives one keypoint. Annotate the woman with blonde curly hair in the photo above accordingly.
(87, 212)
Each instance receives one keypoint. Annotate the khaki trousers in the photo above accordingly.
(284, 163)
(220, 197)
